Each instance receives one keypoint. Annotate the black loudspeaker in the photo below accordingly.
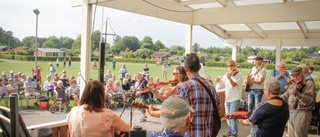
(102, 59)
(137, 131)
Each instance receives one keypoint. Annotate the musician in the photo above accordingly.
(282, 75)
(233, 93)
(300, 97)
(91, 118)
(256, 78)
(142, 93)
(270, 117)
(175, 117)
(178, 74)
(199, 99)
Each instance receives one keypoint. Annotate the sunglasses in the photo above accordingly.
(175, 73)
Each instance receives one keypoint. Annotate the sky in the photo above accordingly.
(59, 18)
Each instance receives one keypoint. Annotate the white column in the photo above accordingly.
(234, 52)
(278, 53)
(85, 43)
(188, 46)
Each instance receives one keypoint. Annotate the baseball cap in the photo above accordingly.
(175, 106)
(258, 58)
(10, 79)
(11, 71)
(296, 71)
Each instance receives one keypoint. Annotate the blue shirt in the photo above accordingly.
(282, 81)
(269, 120)
(164, 133)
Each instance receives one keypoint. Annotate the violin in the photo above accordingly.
(141, 105)
(234, 72)
(170, 82)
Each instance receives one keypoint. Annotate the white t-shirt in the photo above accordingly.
(2, 89)
(47, 83)
(233, 93)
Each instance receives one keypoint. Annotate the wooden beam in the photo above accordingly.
(264, 13)
(255, 28)
(303, 28)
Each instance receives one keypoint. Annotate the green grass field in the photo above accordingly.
(155, 71)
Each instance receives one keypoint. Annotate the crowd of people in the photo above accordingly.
(190, 101)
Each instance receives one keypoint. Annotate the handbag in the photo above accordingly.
(217, 120)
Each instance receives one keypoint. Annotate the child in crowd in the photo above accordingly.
(61, 95)
(48, 86)
(74, 92)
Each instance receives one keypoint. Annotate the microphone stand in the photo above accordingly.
(132, 98)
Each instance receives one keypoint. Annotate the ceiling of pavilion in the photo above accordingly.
(288, 20)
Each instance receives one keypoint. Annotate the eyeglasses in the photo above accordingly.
(281, 67)
(175, 73)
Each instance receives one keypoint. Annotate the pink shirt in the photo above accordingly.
(83, 123)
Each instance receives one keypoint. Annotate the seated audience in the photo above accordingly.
(30, 90)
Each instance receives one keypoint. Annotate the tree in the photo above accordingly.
(195, 47)
(96, 36)
(118, 45)
(77, 43)
(131, 42)
(28, 41)
(159, 45)
(52, 42)
(66, 42)
(7, 39)
(143, 53)
(147, 43)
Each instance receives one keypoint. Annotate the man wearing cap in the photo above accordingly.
(255, 78)
(203, 118)
(4, 78)
(305, 71)
(175, 117)
(30, 90)
(300, 97)
(282, 76)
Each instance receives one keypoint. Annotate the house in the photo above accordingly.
(49, 52)
(251, 58)
(160, 56)
(121, 54)
(4, 48)
(313, 56)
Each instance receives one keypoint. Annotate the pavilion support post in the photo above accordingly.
(234, 52)
(278, 52)
(85, 44)
(188, 39)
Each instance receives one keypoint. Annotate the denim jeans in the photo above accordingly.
(231, 107)
(254, 97)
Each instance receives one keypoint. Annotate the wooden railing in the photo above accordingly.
(59, 128)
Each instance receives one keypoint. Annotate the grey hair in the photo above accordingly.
(59, 82)
(232, 61)
(175, 122)
(273, 85)
(305, 68)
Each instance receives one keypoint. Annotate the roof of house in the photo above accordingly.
(123, 53)
(3, 47)
(313, 56)
(50, 50)
(161, 54)
(19, 48)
